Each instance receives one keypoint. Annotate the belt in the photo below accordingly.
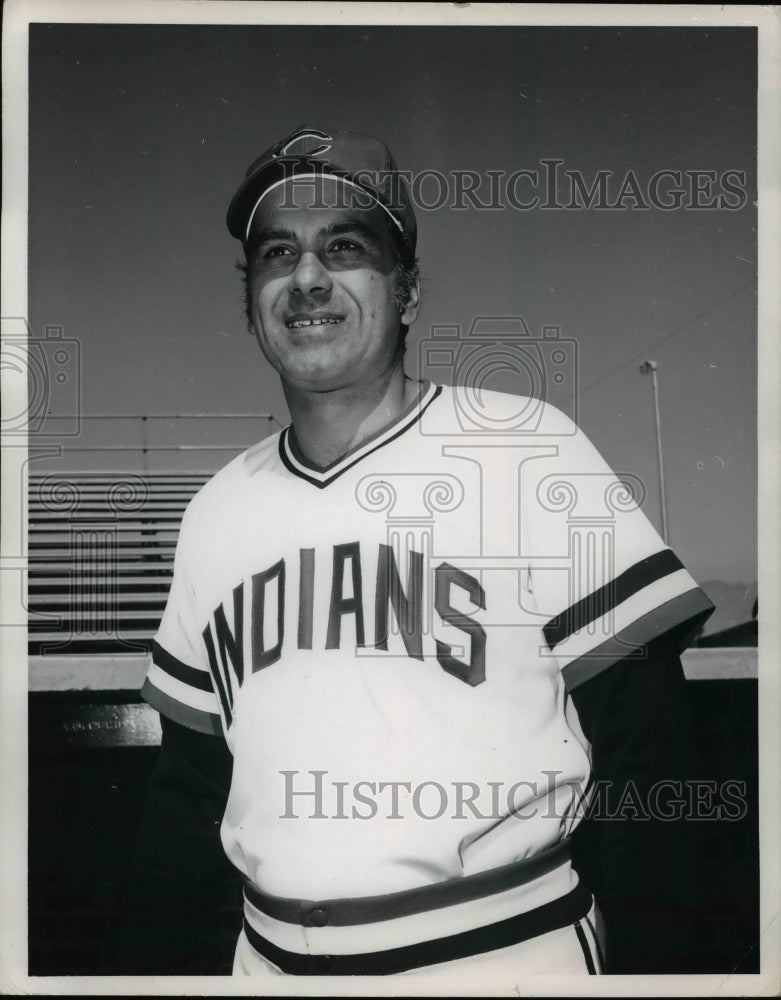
(378, 952)
(541, 920)
(370, 909)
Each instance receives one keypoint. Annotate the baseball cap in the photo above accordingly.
(359, 160)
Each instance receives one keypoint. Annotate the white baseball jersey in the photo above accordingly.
(388, 644)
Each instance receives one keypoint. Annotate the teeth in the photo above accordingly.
(296, 324)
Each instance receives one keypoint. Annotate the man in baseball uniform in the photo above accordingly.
(409, 638)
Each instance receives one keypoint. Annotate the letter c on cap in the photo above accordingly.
(301, 137)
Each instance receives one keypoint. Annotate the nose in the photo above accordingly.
(309, 276)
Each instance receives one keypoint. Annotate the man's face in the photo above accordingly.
(321, 284)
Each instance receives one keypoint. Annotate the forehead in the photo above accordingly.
(301, 206)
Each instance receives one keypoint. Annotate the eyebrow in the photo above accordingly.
(274, 233)
(334, 229)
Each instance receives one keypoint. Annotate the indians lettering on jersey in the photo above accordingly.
(271, 590)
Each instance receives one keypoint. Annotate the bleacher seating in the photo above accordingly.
(101, 549)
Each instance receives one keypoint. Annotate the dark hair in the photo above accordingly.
(406, 275)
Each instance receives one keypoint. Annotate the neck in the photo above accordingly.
(329, 424)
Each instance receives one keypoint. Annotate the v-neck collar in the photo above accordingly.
(300, 466)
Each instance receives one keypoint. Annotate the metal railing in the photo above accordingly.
(145, 446)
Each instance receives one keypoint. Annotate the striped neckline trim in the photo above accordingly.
(296, 463)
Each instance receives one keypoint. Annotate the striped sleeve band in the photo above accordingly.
(181, 692)
(654, 596)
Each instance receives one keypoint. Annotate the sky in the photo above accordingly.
(140, 134)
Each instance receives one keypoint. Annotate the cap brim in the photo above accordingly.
(252, 188)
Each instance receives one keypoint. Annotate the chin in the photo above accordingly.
(315, 377)
(318, 361)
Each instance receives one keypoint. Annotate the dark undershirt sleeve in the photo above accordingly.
(179, 867)
(645, 872)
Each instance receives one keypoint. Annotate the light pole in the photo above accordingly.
(650, 367)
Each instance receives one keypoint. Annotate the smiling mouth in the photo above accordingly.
(298, 324)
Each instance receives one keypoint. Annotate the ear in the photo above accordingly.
(410, 312)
